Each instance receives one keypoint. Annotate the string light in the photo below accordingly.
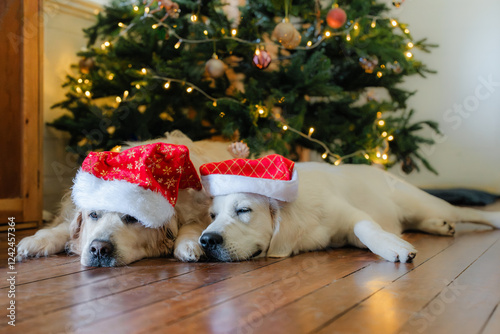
(384, 156)
(410, 45)
(154, 26)
(309, 43)
(356, 26)
(390, 138)
(379, 74)
(324, 155)
(394, 22)
(367, 157)
(205, 32)
(107, 43)
(214, 103)
(118, 99)
(260, 111)
(136, 8)
(381, 122)
(384, 134)
(111, 76)
(234, 32)
(373, 24)
(137, 86)
(86, 81)
(407, 31)
(189, 89)
(146, 10)
(78, 90)
(311, 131)
(348, 37)
(144, 70)
(178, 44)
(285, 127)
(125, 94)
(337, 162)
(166, 85)
(80, 80)
(121, 25)
(327, 34)
(378, 155)
(87, 93)
(194, 18)
(408, 54)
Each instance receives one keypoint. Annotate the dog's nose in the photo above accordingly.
(101, 248)
(211, 240)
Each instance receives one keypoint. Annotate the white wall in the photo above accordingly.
(63, 38)
(468, 111)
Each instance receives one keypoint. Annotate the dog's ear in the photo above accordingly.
(284, 235)
(73, 245)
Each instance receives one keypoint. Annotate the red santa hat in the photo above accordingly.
(141, 181)
(272, 176)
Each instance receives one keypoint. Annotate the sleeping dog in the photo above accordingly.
(321, 206)
(112, 238)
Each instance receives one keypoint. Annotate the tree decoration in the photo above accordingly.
(287, 35)
(336, 18)
(239, 150)
(261, 59)
(369, 64)
(395, 67)
(215, 67)
(85, 65)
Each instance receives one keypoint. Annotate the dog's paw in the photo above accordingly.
(439, 226)
(40, 244)
(393, 248)
(188, 251)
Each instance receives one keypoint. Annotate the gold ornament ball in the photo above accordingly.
(215, 68)
(287, 35)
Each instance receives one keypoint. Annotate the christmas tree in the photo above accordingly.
(277, 75)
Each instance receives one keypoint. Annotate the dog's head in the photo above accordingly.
(244, 226)
(108, 239)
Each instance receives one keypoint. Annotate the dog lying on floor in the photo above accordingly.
(355, 205)
(107, 238)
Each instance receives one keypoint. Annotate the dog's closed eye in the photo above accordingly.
(242, 211)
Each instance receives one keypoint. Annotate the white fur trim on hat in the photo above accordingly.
(149, 207)
(223, 184)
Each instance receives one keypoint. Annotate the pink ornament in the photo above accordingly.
(261, 59)
(336, 18)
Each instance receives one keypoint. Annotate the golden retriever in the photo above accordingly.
(109, 239)
(354, 205)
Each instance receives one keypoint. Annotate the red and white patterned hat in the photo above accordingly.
(272, 176)
(141, 181)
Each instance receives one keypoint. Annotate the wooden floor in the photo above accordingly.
(453, 286)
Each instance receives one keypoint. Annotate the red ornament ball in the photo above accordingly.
(336, 18)
(261, 59)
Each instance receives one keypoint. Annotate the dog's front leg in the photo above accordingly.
(45, 242)
(187, 248)
(385, 244)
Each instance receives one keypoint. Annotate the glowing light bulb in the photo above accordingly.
(118, 99)
(374, 23)
(384, 156)
(379, 114)
(125, 94)
(327, 34)
(154, 26)
(408, 54)
(337, 162)
(410, 45)
(166, 85)
(367, 157)
(378, 155)
(394, 23)
(189, 89)
(205, 32)
(137, 86)
(381, 122)
(391, 137)
(285, 127)
(86, 81)
(348, 37)
(107, 43)
(80, 80)
(356, 26)
(407, 31)
(194, 18)
(144, 70)
(178, 44)
(78, 90)
(214, 104)
(261, 111)
(146, 10)
(87, 93)
(311, 131)
(379, 74)
(309, 43)
(111, 76)
(136, 8)
(121, 25)
(234, 32)
(324, 155)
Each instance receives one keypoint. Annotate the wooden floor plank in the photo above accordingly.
(472, 296)
(287, 274)
(131, 294)
(390, 307)
(493, 324)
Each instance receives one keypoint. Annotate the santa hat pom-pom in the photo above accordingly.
(239, 150)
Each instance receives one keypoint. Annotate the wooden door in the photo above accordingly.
(20, 113)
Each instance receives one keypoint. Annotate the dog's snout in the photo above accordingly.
(211, 240)
(101, 248)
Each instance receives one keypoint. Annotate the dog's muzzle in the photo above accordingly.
(101, 254)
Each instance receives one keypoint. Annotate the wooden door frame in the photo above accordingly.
(27, 209)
